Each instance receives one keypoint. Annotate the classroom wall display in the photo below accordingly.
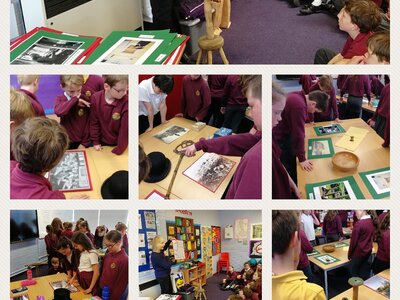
(345, 188)
(229, 232)
(256, 231)
(241, 229)
(210, 170)
(71, 173)
(255, 249)
(216, 240)
(147, 232)
(206, 238)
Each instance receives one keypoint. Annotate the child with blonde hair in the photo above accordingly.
(29, 84)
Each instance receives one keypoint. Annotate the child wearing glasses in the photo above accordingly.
(88, 267)
(73, 108)
(115, 266)
(109, 114)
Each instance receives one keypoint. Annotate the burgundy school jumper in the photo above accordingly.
(376, 86)
(74, 118)
(357, 86)
(306, 247)
(333, 227)
(125, 244)
(50, 244)
(306, 82)
(280, 178)
(217, 84)
(381, 217)
(383, 253)
(331, 108)
(37, 106)
(195, 98)
(356, 47)
(361, 239)
(246, 182)
(67, 233)
(115, 273)
(383, 110)
(25, 185)
(93, 84)
(109, 122)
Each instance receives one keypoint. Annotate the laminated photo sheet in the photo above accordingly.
(171, 133)
(379, 284)
(348, 191)
(380, 181)
(129, 50)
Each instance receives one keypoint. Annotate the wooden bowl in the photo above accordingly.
(345, 161)
(328, 248)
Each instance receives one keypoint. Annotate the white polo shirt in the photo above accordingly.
(147, 94)
(308, 223)
(87, 259)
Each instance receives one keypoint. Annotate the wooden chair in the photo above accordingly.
(199, 291)
(207, 46)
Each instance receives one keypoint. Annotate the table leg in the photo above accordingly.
(326, 283)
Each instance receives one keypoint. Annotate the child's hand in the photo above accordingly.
(371, 122)
(83, 196)
(306, 165)
(357, 60)
(81, 146)
(189, 151)
(83, 103)
(87, 291)
(149, 129)
(180, 115)
(97, 147)
(222, 110)
(337, 120)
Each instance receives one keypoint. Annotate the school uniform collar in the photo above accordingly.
(365, 217)
(289, 276)
(30, 177)
(67, 96)
(30, 94)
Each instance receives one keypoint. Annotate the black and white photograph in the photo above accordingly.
(49, 51)
(210, 170)
(71, 173)
(329, 129)
(171, 134)
(380, 181)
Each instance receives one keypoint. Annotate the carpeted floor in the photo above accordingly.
(271, 32)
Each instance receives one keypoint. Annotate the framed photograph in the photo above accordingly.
(320, 148)
(210, 170)
(255, 249)
(228, 232)
(72, 173)
(377, 182)
(49, 51)
(256, 231)
(329, 129)
(171, 134)
(155, 195)
(326, 259)
(340, 189)
(129, 51)
(63, 284)
(379, 284)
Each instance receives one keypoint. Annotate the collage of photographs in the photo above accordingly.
(184, 185)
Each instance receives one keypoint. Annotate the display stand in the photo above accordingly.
(195, 275)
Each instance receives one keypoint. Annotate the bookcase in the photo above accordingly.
(195, 275)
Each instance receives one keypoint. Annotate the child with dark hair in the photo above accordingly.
(109, 114)
(290, 132)
(152, 101)
(55, 265)
(88, 267)
(115, 266)
(382, 258)
(38, 146)
(68, 256)
(99, 235)
(84, 228)
(359, 18)
(360, 247)
(230, 278)
(332, 226)
(51, 241)
(144, 164)
(287, 282)
(121, 228)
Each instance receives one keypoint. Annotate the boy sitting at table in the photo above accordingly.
(109, 114)
(246, 183)
(287, 282)
(358, 18)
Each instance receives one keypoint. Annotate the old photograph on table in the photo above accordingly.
(210, 170)
(50, 51)
(62, 284)
(171, 134)
(327, 259)
(320, 147)
(379, 284)
(129, 51)
(329, 129)
(380, 181)
(337, 190)
(71, 173)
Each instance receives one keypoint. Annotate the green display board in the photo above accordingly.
(320, 148)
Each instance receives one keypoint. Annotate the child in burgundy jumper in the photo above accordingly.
(99, 235)
(67, 230)
(121, 227)
(91, 85)
(51, 241)
(332, 226)
(283, 187)
(355, 86)
(69, 257)
(378, 51)
(38, 145)
(88, 267)
(306, 82)
(230, 278)
(109, 114)
(73, 108)
(115, 266)
(234, 103)
(380, 120)
(358, 18)
(246, 183)
(361, 243)
(304, 263)
(216, 83)
(84, 228)
(382, 258)
(325, 84)
(290, 133)
(376, 85)
(29, 84)
(195, 98)
(255, 284)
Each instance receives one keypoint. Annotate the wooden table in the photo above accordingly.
(365, 293)
(102, 164)
(339, 253)
(43, 288)
(371, 153)
(184, 187)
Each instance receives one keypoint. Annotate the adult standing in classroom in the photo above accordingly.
(161, 264)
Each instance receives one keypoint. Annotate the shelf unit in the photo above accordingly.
(195, 275)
